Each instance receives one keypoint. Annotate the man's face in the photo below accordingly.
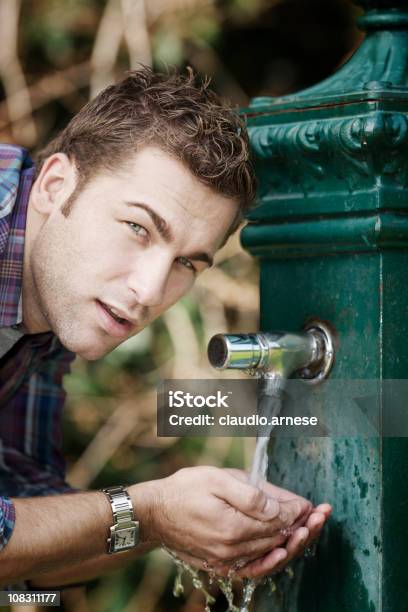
(132, 245)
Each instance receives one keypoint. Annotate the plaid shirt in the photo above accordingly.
(31, 372)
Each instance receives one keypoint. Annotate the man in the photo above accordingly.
(127, 206)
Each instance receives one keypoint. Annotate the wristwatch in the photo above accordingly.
(124, 533)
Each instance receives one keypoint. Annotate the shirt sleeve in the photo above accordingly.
(31, 461)
(7, 520)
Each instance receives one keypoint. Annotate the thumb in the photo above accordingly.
(256, 504)
(287, 511)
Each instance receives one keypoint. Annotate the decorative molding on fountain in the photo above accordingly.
(340, 146)
(341, 151)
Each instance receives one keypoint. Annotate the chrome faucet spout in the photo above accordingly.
(309, 353)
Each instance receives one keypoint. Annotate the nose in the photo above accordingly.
(148, 280)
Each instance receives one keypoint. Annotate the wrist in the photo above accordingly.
(145, 497)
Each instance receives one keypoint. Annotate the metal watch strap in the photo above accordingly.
(123, 518)
(122, 507)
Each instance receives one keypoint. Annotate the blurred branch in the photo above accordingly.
(121, 18)
(17, 94)
(184, 341)
(248, 451)
(233, 293)
(158, 8)
(75, 600)
(231, 248)
(136, 32)
(106, 47)
(212, 313)
(121, 423)
(215, 451)
(158, 569)
(50, 87)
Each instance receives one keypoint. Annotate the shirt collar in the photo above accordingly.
(16, 178)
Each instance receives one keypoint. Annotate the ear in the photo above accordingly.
(55, 183)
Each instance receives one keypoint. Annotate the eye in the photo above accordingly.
(186, 262)
(137, 229)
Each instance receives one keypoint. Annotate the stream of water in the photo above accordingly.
(268, 405)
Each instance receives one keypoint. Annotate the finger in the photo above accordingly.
(247, 529)
(255, 503)
(310, 542)
(297, 543)
(281, 495)
(260, 567)
(325, 509)
(276, 492)
(303, 516)
(315, 521)
(246, 498)
(253, 549)
(264, 565)
(270, 489)
(241, 475)
(249, 551)
(315, 517)
(315, 530)
(303, 538)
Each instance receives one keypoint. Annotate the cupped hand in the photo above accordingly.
(291, 542)
(297, 544)
(216, 518)
(300, 536)
(277, 558)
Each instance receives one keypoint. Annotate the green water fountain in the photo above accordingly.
(331, 236)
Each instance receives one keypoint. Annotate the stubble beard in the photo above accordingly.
(57, 301)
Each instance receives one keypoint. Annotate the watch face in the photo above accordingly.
(125, 538)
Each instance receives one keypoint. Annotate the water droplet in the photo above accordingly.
(311, 551)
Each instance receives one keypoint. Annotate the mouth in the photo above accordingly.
(112, 322)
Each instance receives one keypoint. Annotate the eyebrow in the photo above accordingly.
(158, 221)
(165, 232)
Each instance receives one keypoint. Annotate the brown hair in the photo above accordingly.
(172, 111)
